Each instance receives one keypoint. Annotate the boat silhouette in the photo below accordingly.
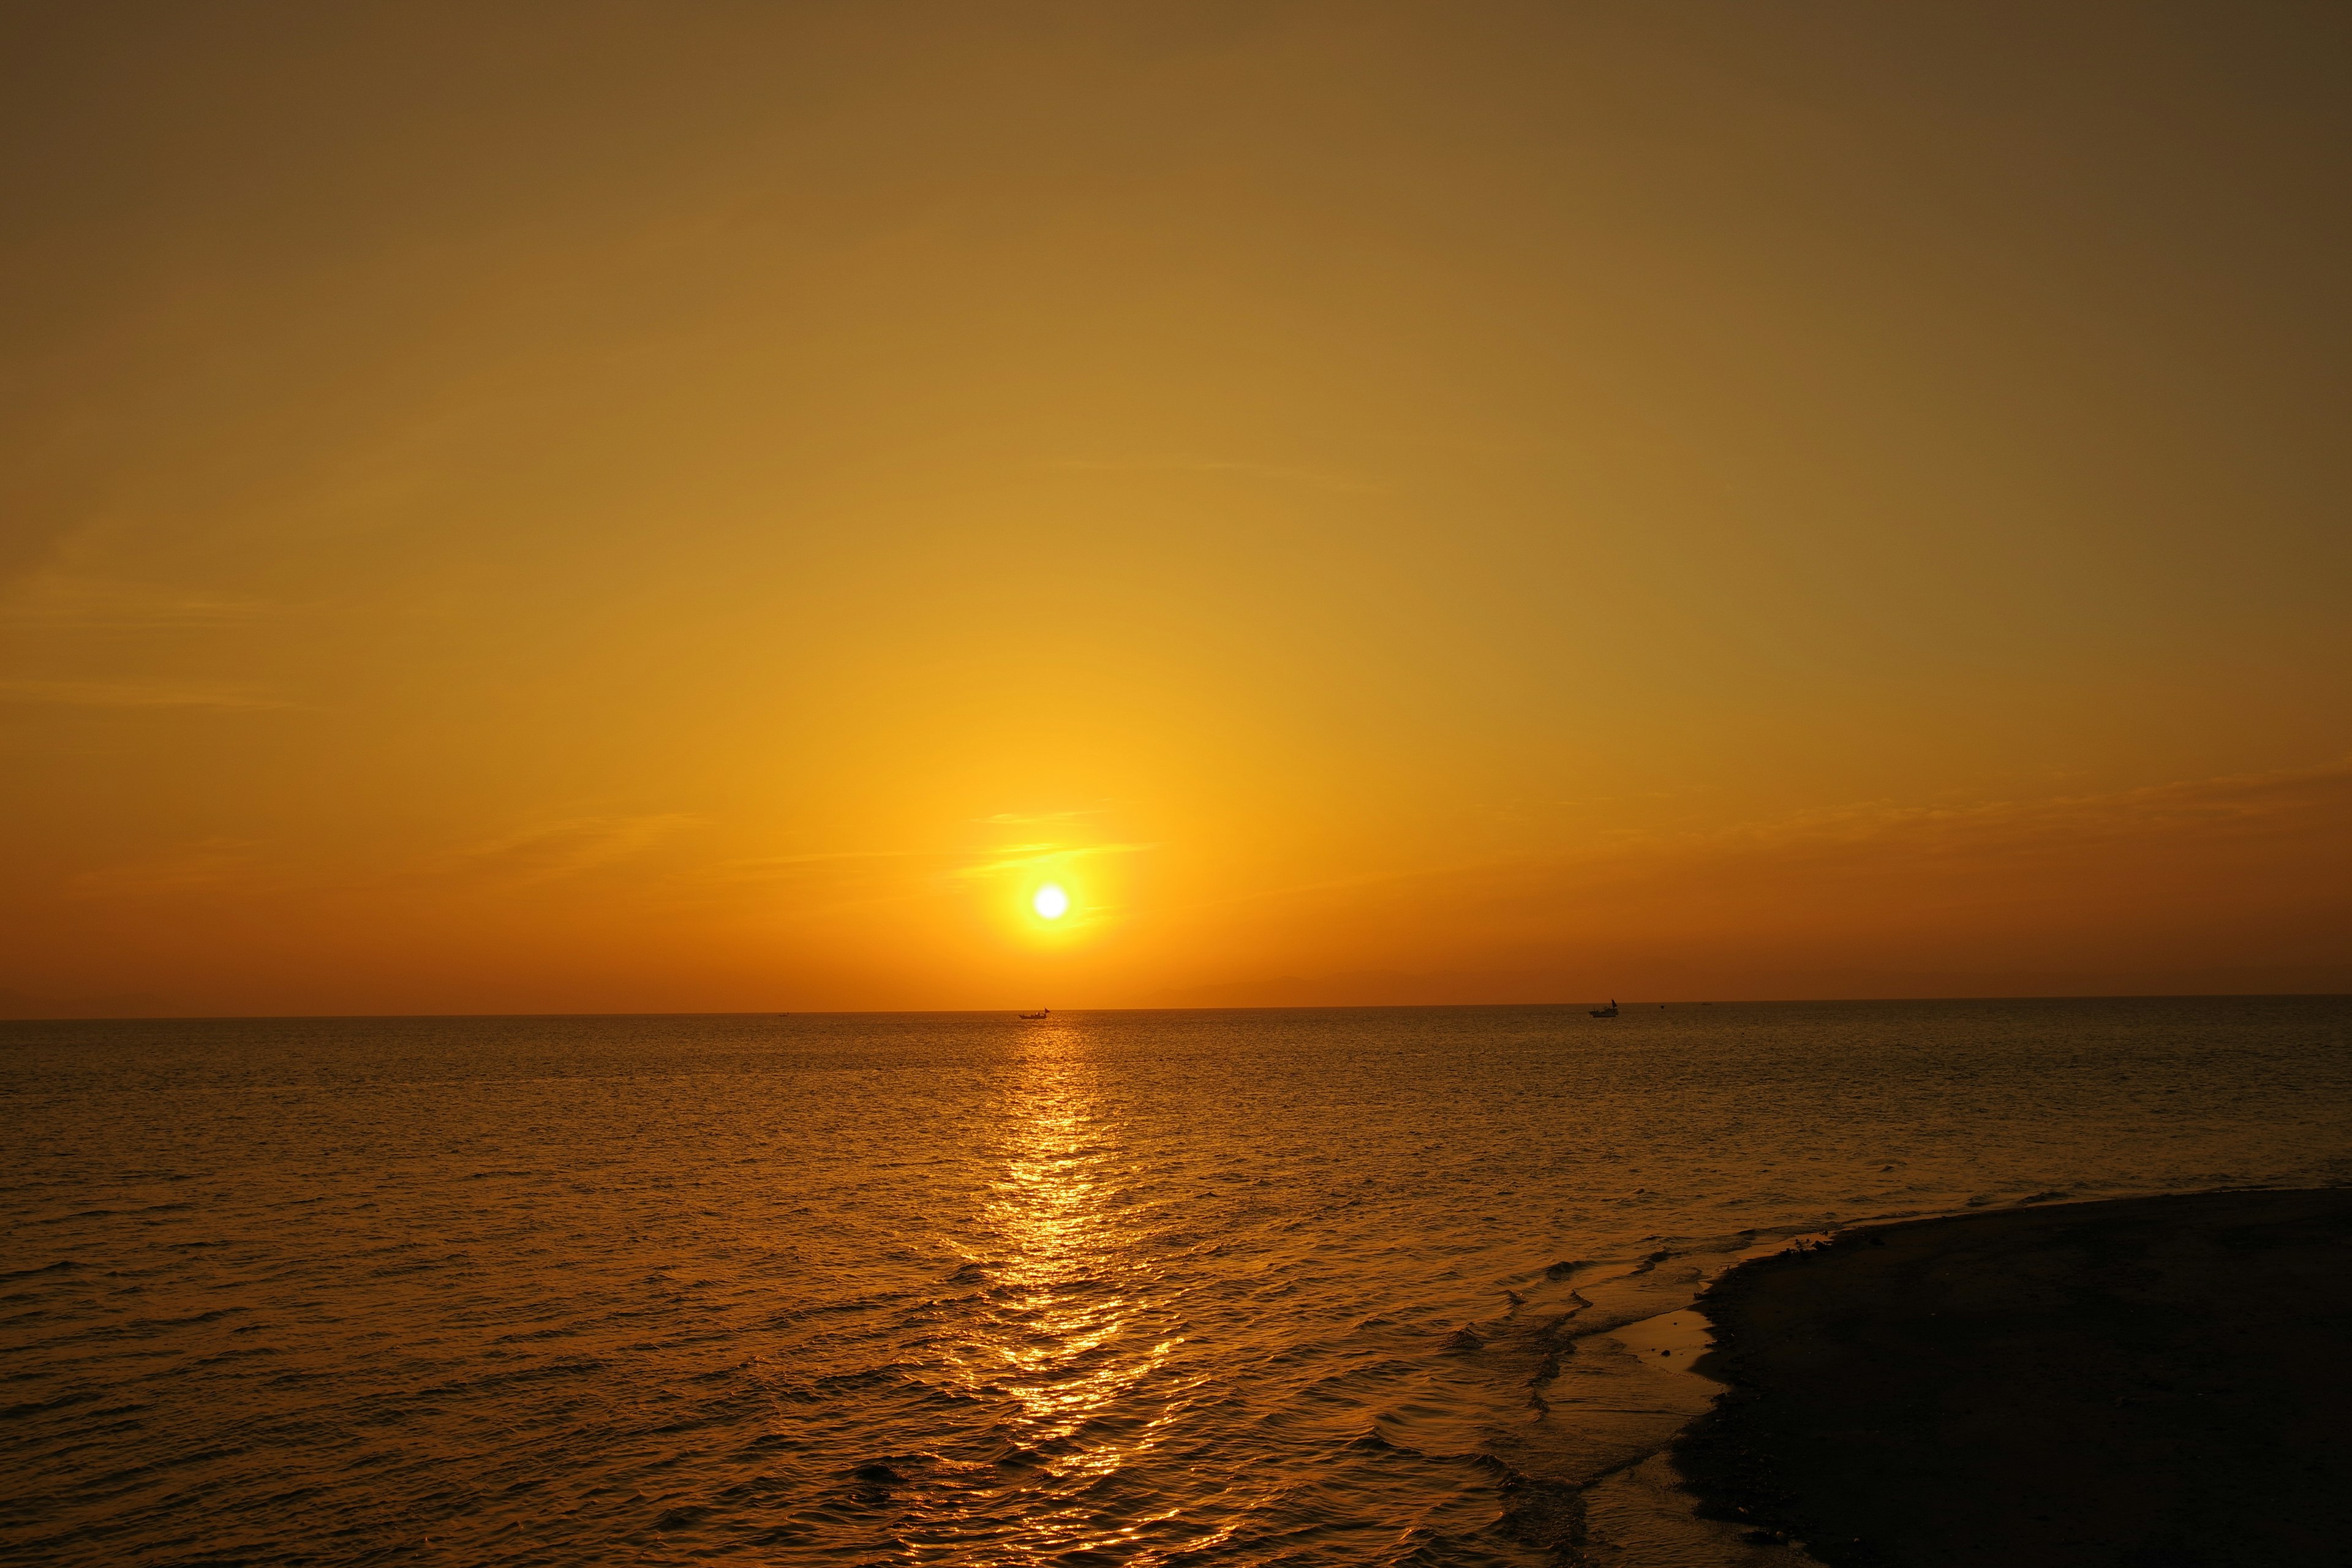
(1040, 1012)
(1608, 1011)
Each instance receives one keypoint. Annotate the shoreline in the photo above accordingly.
(2150, 1381)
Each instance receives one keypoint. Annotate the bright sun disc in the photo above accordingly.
(1050, 902)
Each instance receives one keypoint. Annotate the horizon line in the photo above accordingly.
(1308, 1007)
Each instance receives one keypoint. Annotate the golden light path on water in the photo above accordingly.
(1064, 1338)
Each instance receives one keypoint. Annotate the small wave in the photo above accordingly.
(43, 1406)
(215, 1316)
(529, 1336)
(511, 1378)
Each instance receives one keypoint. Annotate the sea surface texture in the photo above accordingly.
(1394, 1286)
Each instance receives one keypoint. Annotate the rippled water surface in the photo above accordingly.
(1319, 1286)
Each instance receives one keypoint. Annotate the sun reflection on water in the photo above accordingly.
(1067, 1330)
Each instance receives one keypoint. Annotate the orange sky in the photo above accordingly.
(615, 507)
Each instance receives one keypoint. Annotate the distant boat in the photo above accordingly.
(1040, 1012)
(1608, 1011)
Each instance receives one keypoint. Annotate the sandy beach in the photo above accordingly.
(2149, 1382)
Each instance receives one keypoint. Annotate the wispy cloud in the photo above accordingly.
(202, 867)
(2031, 841)
(828, 857)
(2230, 807)
(830, 881)
(1280, 473)
(141, 694)
(1014, 857)
(910, 866)
(103, 604)
(548, 851)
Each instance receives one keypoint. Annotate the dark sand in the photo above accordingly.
(2148, 1382)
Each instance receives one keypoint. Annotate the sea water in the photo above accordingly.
(1394, 1286)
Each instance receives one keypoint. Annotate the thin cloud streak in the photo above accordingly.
(549, 851)
(1880, 836)
(2233, 806)
(65, 603)
(1314, 479)
(1023, 858)
(205, 867)
(141, 694)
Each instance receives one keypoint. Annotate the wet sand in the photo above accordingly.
(2150, 1383)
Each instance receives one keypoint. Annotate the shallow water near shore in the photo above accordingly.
(1299, 1288)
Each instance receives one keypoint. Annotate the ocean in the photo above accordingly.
(1388, 1286)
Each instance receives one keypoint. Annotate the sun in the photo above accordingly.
(1050, 902)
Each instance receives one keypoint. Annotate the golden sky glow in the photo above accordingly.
(618, 508)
